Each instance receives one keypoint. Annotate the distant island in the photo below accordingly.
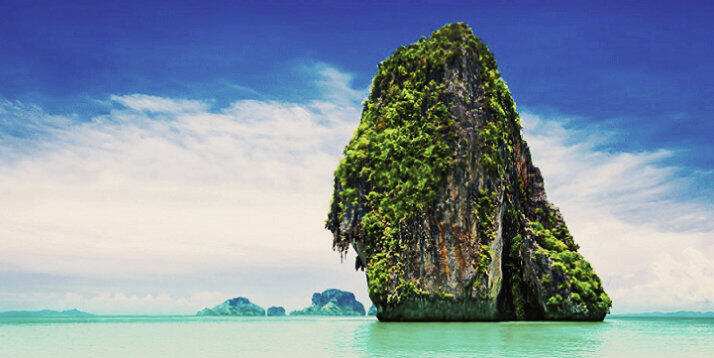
(332, 302)
(238, 306)
(682, 314)
(44, 313)
(276, 311)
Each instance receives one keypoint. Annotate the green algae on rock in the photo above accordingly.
(438, 196)
(239, 306)
(332, 302)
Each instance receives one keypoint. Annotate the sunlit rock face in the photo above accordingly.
(439, 198)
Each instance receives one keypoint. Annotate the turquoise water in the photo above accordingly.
(184, 336)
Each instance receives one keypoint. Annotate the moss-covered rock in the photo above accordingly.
(332, 302)
(239, 306)
(439, 198)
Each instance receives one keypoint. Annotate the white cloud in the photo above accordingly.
(130, 192)
(142, 102)
(335, 85)
(650, 247)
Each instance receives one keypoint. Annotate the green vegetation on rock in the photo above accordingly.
(580, 280)
(394, 165)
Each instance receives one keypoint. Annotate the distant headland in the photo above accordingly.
(45, 313)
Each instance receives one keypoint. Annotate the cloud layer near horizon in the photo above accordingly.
(168, 188)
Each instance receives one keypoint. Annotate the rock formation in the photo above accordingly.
(239, 306)
(276, 311)
(332, 302)
(438, 196)
(372, 311)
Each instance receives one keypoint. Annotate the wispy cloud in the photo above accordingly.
(21, 122)
(142, 102)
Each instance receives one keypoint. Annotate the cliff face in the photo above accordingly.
(438, 196)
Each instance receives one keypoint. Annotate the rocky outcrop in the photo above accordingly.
(239, 306)
(438, 196)
(372, 311)
(276, 311)
(332, 302)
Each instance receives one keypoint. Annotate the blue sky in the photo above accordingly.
(644, 67)
(144, 103)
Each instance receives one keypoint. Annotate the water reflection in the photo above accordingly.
(485, 338)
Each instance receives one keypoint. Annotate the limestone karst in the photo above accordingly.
(439, 197)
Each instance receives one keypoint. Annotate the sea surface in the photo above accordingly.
(187, 336)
